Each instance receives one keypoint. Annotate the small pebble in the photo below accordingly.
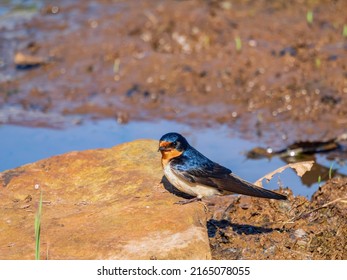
(299, 233)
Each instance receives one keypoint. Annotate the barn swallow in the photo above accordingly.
(192, 173)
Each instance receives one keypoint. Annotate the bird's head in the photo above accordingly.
(172, 145)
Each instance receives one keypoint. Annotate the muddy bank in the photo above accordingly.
(294, 229)
(260, 67)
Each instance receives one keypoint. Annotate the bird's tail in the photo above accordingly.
(238, 185)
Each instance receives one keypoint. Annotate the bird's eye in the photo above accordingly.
(174, 143)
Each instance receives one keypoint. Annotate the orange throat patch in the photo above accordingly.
(166, 156)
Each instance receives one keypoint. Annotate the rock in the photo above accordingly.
(99, 204)
(299, 233)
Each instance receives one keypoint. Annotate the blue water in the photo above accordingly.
(22, 145)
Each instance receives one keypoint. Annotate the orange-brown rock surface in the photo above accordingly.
(99, 204)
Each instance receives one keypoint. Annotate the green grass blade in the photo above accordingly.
(344, 31)
(331, 171)
(319, 180)
(38, 229)
(309, 17)
(238, 43)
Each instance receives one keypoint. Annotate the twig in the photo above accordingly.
(302, 214)
(327, 204)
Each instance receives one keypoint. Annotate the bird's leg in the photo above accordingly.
(182, 202)
(198, 199)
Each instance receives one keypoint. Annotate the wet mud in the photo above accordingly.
(259, 67)
(274, 71)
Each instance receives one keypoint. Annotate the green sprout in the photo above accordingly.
(331, 171)
(38, 229)
(319, 180)
(344, 32)
(318, 62)
(309, 17)
(238, 43)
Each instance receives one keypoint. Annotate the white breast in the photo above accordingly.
(193, 189)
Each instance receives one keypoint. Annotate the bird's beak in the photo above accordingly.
(163, 146)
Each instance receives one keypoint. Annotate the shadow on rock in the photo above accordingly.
(214, 225)
(170, 188)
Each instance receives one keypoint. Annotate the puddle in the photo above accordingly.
(13, 12)
(21, 145)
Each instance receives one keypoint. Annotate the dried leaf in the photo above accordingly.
(300, 168)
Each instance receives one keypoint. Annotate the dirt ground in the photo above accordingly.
(295, 229)
(264, 68)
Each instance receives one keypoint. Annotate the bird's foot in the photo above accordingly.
(182, 202)
(186, 201)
